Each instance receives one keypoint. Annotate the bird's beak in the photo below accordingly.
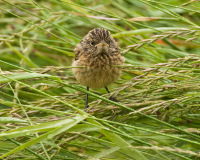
(102, 47)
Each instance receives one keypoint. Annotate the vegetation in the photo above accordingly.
(42, 106)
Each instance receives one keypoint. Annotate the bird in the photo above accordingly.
(97, 61)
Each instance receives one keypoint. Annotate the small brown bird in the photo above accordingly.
(98, 52)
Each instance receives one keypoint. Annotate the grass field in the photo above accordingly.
(42, 113)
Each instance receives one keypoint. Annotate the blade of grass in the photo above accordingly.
(109, 101)
(22, 76)
(130, 109)
(47, 135)
(146, 30)
(26, 59)
(38, 27)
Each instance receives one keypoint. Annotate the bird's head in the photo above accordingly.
(99, 41)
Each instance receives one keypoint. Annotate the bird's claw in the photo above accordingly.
(87, 106)
(113, 99)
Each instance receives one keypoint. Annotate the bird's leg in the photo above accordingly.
(86, 99)
(111, 98)
(107, 89)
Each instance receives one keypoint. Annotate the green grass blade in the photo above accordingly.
(68, 124)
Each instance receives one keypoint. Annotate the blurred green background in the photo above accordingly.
(42, 105)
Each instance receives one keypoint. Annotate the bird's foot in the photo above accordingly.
(87, 106)
(113, 99)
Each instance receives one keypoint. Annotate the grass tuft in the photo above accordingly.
(42, 105)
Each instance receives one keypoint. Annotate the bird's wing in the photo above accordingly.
(78, 51)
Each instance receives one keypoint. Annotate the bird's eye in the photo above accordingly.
(92, 43)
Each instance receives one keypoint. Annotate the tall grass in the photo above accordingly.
(42, 106)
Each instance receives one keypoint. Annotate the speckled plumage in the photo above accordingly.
(98, 52)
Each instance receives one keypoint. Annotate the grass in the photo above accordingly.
(42, 105)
